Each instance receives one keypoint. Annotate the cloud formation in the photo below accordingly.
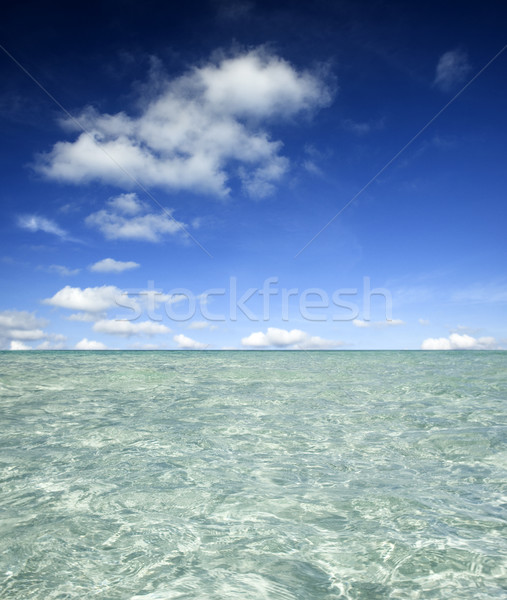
(35, 223)
(110, 265)
(62, 270)
(186, 343)
(94, 302)
(196, 131)
(460, 342)
(129, 328)
(54, 342)
(283, 338)
(86, 344)
(15, 345)
(128, 218)
(19, 326)
(88, 300)
(452, 69)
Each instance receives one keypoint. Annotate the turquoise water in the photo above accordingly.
(253, 475)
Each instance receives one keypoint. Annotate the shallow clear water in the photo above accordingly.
(253, 475)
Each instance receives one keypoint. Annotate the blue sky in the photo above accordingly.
(175, 177)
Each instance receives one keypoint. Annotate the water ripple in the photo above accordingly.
(281, 475)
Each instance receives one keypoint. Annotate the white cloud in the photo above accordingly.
(127, 218)
(193, 133)
(94, 302)
(15, 345)
(28, 334)
(89, 300)
(424, 322)
(129, 328)
(20, 326)
(110, 265)
(274, 337)
(452, 69)
(377, 324)
(84, 317)
(56, 342)
(460, 342)
(282, 338)
(256, 84)
(35, 223)
(187, 343)
(63, 271)
(361, 323)
(86, 344)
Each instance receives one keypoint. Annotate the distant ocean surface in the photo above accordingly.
(253, 475)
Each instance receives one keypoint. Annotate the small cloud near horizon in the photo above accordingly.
(460, 342)
(283, 338)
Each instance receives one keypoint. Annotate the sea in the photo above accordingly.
(252, 475)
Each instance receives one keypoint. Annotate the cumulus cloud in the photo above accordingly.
(452, 69)
(128, 218)
(460, 342)
(377, 324)
(129, 328)
(110, 265)
(186, 343)
(27, 334)
(195, 131)
(94, 302)
(88, 300)
(257, 84)
(86, 344)
(35, 223)
(15, 345)
(20, 326)
(282, 338)
(274, 337)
